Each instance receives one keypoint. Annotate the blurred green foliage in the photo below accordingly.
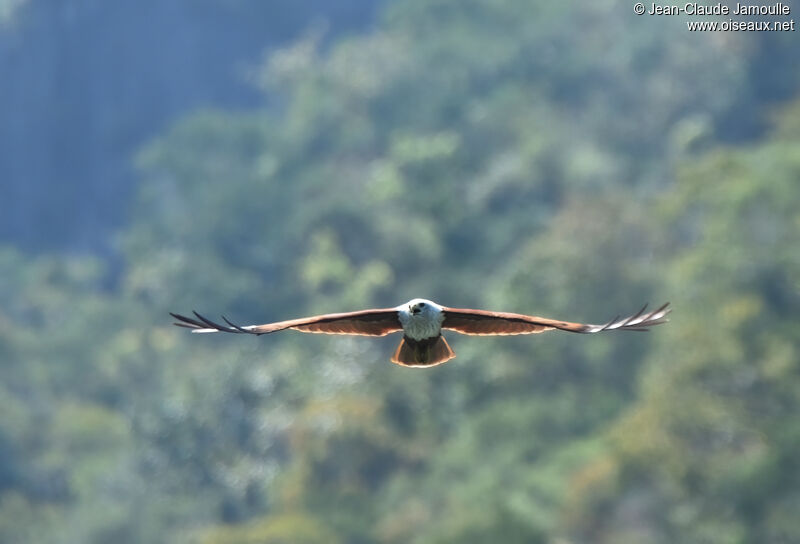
(561, 159)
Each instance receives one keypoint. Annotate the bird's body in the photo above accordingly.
(422, 343)
(421, 322)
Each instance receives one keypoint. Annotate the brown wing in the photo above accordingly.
(366, 323)
(482, 322)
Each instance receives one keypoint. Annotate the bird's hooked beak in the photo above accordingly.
(415, 309)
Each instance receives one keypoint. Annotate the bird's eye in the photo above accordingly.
(421, 304)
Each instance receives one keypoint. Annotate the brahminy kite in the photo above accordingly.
(422, 322)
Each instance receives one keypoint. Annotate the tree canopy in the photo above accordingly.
(569, 160)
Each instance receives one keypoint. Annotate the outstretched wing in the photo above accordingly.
(365, 323)
(485, 323)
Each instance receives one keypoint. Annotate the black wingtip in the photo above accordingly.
(202, 322)
(610, 324)
(187, 322)
(208, 323)
(635, 316)
(237, 327)
(184, 325)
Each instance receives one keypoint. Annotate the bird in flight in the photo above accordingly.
(421, 322)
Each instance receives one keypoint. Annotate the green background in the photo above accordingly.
(571, 160)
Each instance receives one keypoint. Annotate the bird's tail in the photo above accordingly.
(422, 353)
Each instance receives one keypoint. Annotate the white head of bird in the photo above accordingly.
(421, 318)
